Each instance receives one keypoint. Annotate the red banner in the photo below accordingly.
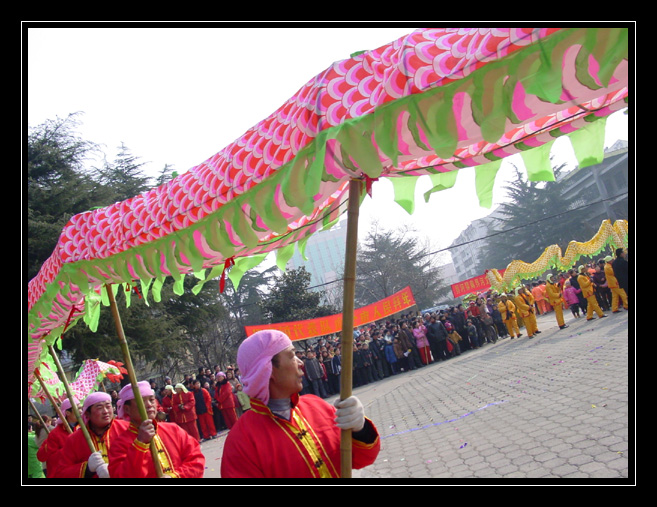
(476, 284)
(304, 329)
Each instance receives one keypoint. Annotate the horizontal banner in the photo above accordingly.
(304, 329)
(476, 284)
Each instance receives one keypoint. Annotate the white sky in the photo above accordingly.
(179, 95)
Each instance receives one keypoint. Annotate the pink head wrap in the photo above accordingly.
(92, 399)
(66, 405)
(254, 359)
(127, 393)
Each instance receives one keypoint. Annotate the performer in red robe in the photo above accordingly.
(285, 435)
(77, 460)
(223, 394)
(130, 455)
(167, 404)
(48, 453)
(184, 410)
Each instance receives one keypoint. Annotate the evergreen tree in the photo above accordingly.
(290, 298)
(124, 178)
(243, 303)
(388, 261)
(58, 186)
(536, 216)
(166, 174)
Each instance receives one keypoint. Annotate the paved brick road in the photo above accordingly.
(553, 407)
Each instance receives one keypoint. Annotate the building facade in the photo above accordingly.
(325, 252)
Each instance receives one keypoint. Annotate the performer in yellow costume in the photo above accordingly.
(586, 285)
(526, 311)
(617, 293)
(555, 296)
(531, 301)
(508, 311)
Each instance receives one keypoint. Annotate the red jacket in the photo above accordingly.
(207, 399)
(263, 445)
(48, 453)
(188, 411)
(180, 454)
(223, 393)
(167, 408)
(75, 453)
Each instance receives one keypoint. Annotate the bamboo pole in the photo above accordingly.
(52, 402)
(347, 340)
(131, 373)
(74, 406)
(38, 414)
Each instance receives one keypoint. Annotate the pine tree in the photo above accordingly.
(388, 261)
(536, 216)
(58, 186)
(290, 298)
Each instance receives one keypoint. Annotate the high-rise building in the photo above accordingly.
(325, 252)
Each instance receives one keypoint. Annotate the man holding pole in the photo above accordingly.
(78, 459)
(130, 456)
(286, 435)
(49, 452)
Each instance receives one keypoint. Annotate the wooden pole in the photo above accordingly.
(52, 402)
(74, 406)
(131, 373)
(38, 414)
(347, 341)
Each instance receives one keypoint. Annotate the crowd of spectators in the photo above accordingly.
(416, 339)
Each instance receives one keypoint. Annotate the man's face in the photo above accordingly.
(70, 416)
(101, 414)
(151, 406)
(151, 409)
(287, 375)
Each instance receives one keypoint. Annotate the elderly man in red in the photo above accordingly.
(285, 435)
(130, 456)
(49, 452)
(77, 460)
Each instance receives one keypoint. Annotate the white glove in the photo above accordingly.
(95, 460)
(350, 414)
(103, 471)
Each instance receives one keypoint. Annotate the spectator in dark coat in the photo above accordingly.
(437, 336)
(381, 366)
(622, 270)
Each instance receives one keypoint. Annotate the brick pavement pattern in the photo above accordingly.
(552, 407)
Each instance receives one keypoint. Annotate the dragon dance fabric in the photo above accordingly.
(430, 103)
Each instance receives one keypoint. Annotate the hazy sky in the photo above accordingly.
(179, 95)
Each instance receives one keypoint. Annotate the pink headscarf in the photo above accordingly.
(92, 399)
(128, 394)
(254, 360)
(66, 405)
